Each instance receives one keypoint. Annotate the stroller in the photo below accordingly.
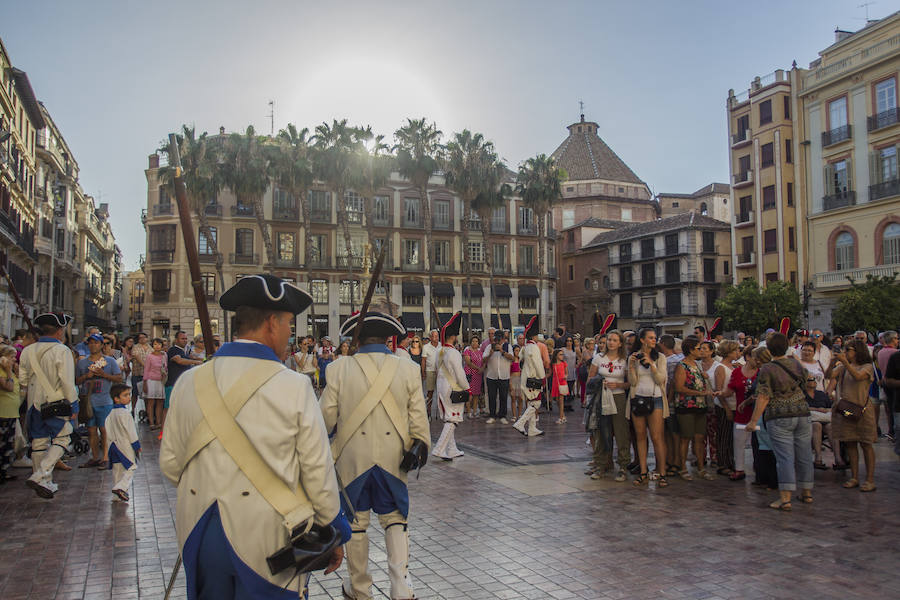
(79, 441)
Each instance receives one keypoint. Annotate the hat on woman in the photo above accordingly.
(266, 292)
(451, 327)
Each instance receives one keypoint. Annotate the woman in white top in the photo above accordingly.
(812, 366)
(611, 366)
(719, 375)
(647, 374)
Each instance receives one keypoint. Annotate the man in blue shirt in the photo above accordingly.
(95, 381)
(82, 346)
(179, 361)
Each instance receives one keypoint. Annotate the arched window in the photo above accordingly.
(891, 241)
(587, 283)
(843, 252)
(703, 209)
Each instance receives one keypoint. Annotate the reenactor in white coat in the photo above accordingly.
(533, 372)
(47, 371)
(401, 344)
(374, 402)
(452, 389)
(247, 447)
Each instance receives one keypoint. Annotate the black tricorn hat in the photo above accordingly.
(54, 319)
(451, 327)
(376, 324)
(266, 292)
(532, 328)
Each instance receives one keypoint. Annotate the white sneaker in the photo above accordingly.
(504, 421)
(23, 463)
(489, 421)
(535, 433)
(520, 430)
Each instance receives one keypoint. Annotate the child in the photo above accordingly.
(121, 436)
(558, 368)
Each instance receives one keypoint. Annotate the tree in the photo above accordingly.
(418, 149)
(539, 184)
(748, 308)
(373, 165)
(202, 182)
(494, 196)
(246, 171)
(870, 306)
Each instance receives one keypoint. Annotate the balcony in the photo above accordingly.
(527, 269)
(320, 262)
(836, 280)
(885, 189)
(320, 215)
(836, 135)
(413, 268)
(285, 213)
(162, 256)
(353, 262)
(744, 179)
(243, 259)
(527, 229)
(477, 267)
(442, 268)
(160, 295)
(286, 263)
(501, 269)
(883, 119)
(741, 138)
(213, 210)
(382, 220)
(839, 200)
(501, 227)
(704, 249)
(207, 258)
(744, 219)
(243, 210)
(161, 210)
(747, 259)
(436, 223)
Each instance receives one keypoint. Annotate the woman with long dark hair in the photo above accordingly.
(647, 407)
(693, 395)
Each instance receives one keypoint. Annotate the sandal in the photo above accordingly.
(737, 476)
(621, 476)
(641, 480)
(851, 483)
(121, 494)
(779, 505)
(805, 498)
(91, 463)
(724, 471)
(662, 481)
(102, 465)
(686, 475)
(820, 465)
(704, 474)
(62, 466)
(867, 487)
(671, 471)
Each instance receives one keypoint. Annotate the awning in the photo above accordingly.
(672, 323)
(477, 322)
(528, 291)
(444, 289)
(477, 291)
(413, 288)
(414, 321)
(504, 322)
(501, 290)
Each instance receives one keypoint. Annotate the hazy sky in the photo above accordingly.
(117, 76)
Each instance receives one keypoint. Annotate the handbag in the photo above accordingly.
(564, 389)
(851, 411)
(607, 403)
(58, 408)
(641, 406)
(534, 383)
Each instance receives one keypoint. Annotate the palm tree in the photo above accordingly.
(246, 173)
(202, 182)
(336, 146)
(373, 164)
(539, 184)
(418, 149)
(495, 195)
(468, 166)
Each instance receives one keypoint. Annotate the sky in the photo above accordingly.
(119, 75)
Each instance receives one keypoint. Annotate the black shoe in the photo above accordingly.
(636, 469)
(632, 465)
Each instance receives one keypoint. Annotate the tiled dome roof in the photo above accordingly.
(585, 156)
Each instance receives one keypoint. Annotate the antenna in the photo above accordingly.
(581, 107)
(866, 6)
(272, 117)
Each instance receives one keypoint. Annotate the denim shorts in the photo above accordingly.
(100, 414)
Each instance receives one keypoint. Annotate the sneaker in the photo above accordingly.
(520, 430)
(504, 420)
(598, 475)
(490, 421)
(535, 433)
(561, 421)
(621, 476)
(23, 463)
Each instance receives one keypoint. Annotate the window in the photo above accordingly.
(744, 168)
(625, 277)
(791, 239)
(673, 271)
(673, 302)
(353, 204)
(282, 202)
(765, 112)
(162, 238)
(709, 270)
(568, 217)
(767, 155)
(318, 289)
(843, 252)
(475, 252)
(625, 306)
(769, 197)
(528, 303)
(885, 95)
(320, 202)
(571, 272)
(318, 251)
(381, 210)
(348, 290)
(526, 218)
(787, 110)
(442, 301)
(648, 274)
(626, 214)
(709, 241)
(243, 242)
(726, 267)
(891, 244)
(788, 152)
(164, 198)
(770, 240)
(473, 301)
(587, 284)
(442, 214)
(526, 257)
(770, 277)
(441, 256)
(837, 178)
(498, 220)
(209, 284)
(671, 240)
(286, 244)
(837, 113)
(886, 165)
(204, 247)
(624, 252)
(704, 210)
(411, 252)
(647, 249)
(499, 256)
(711, 296)
(790, 194)
(383, 287)
(411, 211)
(160, 280)
(743, 125)
(675, 205)
(746, 205)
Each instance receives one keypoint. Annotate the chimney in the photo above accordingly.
(840, 35)
(154, 161)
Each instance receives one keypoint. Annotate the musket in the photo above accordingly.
(437, 317)
(190, 245)
(17, 299)
(376, 275)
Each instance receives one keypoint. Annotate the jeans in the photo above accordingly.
(136, 386)
(792, 443)
(497, 389)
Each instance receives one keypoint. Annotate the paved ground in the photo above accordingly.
(514, 518)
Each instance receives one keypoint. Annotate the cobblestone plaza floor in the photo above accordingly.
(514, 518)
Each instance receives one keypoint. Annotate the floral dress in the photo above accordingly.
(694, 379)
(472, 373)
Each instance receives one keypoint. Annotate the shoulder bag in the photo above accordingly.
(849, 410)
(52, 408)
(457, 396)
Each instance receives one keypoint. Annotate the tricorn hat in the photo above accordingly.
(451, 327)
(532, 328)
(54, 319)
(266, 292)
(376, 324)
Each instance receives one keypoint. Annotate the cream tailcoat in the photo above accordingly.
(450, 368)
(284, 423)
(532, 366)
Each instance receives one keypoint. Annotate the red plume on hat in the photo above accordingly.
(451, 327)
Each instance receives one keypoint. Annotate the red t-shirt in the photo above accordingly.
(741, 385)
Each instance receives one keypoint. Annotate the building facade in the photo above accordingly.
(134, 288)
(850, 126)
(408, 283)
(713, 200)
